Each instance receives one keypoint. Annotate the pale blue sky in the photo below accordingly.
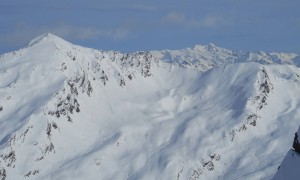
(132, 25)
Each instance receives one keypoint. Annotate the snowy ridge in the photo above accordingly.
(68, 112)
(207, 57)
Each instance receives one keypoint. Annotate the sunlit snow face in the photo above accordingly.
(202, 112)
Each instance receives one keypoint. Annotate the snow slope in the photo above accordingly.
(69, 112)
(289, 168)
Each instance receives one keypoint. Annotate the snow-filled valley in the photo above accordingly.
(69, 112)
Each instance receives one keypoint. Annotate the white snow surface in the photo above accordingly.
(69, 112)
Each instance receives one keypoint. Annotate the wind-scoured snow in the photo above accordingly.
(69, 112)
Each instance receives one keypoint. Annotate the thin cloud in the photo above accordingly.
(174, 17)
(182, 19)
(24, 33)
(86, 6)
(78, 33)
(141, 7)
(211, 21)
(121, 33)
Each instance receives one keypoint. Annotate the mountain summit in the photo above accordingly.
(47, 37)
(69, 112)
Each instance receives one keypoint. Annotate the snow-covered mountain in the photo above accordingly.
(69, 112)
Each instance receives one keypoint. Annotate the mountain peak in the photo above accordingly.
(210, 47)
(199, 47)
(47, 38)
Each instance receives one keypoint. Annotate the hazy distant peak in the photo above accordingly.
(209, 47)
(199, 47)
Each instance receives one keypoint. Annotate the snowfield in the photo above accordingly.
(69, 112)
